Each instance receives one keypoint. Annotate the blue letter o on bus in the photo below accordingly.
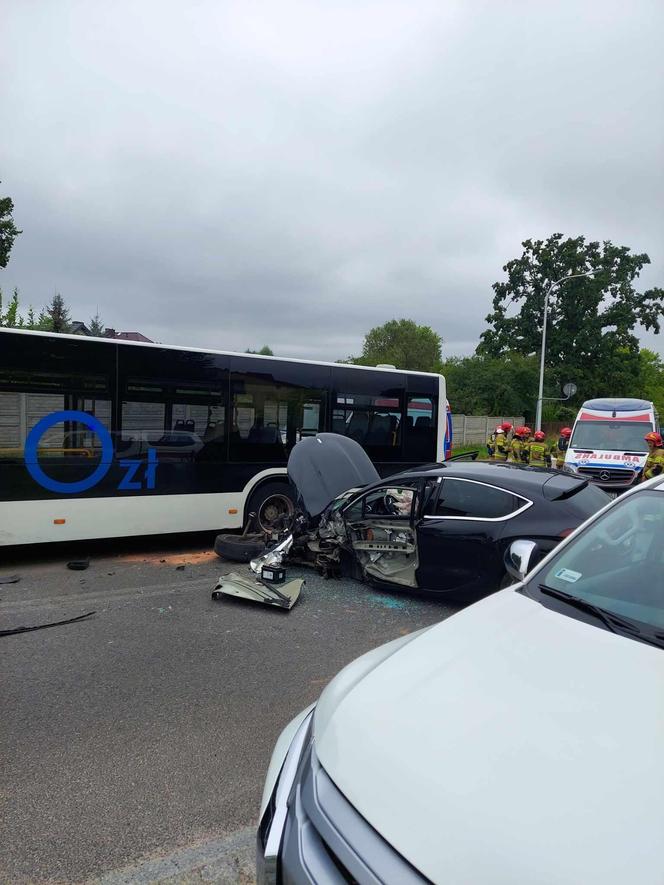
(82, 485)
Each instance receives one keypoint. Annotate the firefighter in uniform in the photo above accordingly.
(518, 449)
(498, 444)
(655, 463)
(559, 448)
(538, 454)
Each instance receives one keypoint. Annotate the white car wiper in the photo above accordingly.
(609, 620)
(612, 622)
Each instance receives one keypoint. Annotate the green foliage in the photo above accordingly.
(264, 351)
(590, 331)
(59, 314)
(652, 378)
(401, 343)
(481, 385)
(11, 319)
(8, 230)
(44, 322)
(96, 326)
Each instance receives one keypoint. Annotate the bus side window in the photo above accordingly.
(268, 420)
(421, 420)
(38, 379)
(372, 421)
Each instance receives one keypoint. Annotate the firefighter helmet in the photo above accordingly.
(566, 432)
(506, 426)
(539, 435)
(654, 438)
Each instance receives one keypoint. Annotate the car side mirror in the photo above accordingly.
(520, 558)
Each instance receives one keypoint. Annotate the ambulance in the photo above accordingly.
(607, 443)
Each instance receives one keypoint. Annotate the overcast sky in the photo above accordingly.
(233, 174)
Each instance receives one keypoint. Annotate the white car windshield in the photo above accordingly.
(617, 564)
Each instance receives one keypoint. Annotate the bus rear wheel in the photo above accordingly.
(274, 507)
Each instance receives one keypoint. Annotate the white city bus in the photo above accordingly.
(106, 438)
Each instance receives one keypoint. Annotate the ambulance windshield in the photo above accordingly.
(611, 435)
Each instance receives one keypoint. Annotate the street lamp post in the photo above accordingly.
(540, 393)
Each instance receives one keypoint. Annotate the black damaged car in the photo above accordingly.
(442, 528)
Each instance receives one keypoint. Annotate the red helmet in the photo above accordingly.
(527, 431)
(522, 431)
(506, 426)
(566, 432)
(540, 435)
(654, 438)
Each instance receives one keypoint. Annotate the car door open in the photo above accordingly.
(381, 533)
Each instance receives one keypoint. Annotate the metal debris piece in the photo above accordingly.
(285, 596)
(272, 557)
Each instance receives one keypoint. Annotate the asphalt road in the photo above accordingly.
(134, 743)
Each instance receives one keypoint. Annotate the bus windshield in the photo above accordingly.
(612, 436)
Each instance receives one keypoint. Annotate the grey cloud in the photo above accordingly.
(231, 174)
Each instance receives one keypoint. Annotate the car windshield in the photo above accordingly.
(613, 436)
(617, 564)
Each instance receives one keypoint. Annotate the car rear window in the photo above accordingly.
(589, 500)
(475, 500)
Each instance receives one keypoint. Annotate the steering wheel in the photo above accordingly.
(391, 505)
(611, 541)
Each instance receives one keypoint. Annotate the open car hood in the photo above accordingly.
(322, 467)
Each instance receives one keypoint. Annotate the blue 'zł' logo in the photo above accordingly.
(128, 483)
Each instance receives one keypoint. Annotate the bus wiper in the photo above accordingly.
(609, 620)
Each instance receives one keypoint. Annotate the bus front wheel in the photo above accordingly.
(274, 506)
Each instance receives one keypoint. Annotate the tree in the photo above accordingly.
(264, 351)
(12, 318)
(652, 378)
(8, 230)
(44, 321)
(96, 326)
(402, 343)
(590, 330)
(479, 385)
(59, 314)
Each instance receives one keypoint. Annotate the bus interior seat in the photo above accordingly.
(358, 426)
(379, 434)
(338, 424)
(422, 421)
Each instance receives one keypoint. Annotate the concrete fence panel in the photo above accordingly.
(475, 429)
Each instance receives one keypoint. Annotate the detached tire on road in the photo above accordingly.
(239, 548)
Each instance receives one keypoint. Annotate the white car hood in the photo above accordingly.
(509, 744)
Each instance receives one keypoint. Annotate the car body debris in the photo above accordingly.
(254, 589)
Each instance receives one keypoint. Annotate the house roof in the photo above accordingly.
(133, 336)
